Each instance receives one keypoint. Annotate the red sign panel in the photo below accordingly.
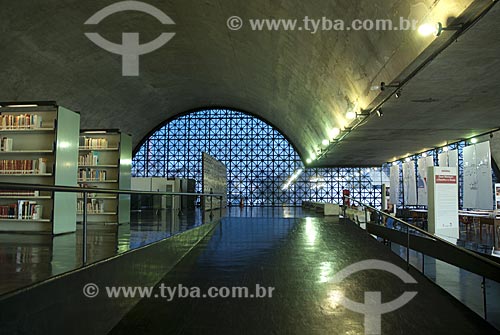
(440, 179)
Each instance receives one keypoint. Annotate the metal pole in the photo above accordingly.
(483, 286)
(220, 208)
(407, 248)
(423, 263)
(84, 229)
(172, 214)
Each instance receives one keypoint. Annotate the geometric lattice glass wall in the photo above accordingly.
(258, 158)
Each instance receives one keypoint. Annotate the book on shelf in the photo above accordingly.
(23, 166)
(87, 174)
(91, 142)
(94, 206)
(92, 158)
(18, 193)
(22, 210)
(6, 144)
(22, 121)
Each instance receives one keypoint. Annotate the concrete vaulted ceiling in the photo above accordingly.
(302, 83)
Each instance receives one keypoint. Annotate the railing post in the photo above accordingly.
(84, 229)
(172, 215)
(407, 248)
(220, 208)
(423, 263)
(483, 286)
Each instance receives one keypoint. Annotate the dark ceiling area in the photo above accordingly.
(299, 82)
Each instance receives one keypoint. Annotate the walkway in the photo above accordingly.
(298, 256)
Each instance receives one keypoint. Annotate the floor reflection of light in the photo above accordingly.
(325, 272)
(335, 298)
(311, 231)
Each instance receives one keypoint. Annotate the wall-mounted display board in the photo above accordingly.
(214, 181)
(409, 183)
(105, 161)
(448, 158)
(478, 182)
(443, 202)
(39, 146)
(394, 188)
(422, 182)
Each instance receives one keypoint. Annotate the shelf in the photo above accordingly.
(104, 198)
(98, 166)
(90, 213)
(24, 221)
(96, 181)
(96, 149)
(26, 197)
(25, 174)
(34, 130)
(13, 152)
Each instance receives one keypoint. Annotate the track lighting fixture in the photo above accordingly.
(436, 29)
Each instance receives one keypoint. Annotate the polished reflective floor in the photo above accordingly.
(298, 256)
(27, 259)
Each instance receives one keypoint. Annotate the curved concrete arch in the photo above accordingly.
(201, 109)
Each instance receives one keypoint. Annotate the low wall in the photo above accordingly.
(58, 306)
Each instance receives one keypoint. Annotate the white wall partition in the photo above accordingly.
(478, 183)
(422, 165)
(409, 184)
(394, 190)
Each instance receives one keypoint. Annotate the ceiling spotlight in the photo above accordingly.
(363, 113)
(436, 29)
(394, 163)
(398, 94)
(424, 154)
(313, 156)
(308, 161)
(350, 115)
(446, 149)
(383, 86)
(325, 142)
(379, 112)
(473, 141)
(334, 132)
(408, 159)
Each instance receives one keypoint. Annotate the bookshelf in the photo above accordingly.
(38, 146)
(104, 161)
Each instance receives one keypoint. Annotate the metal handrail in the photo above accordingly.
(73, 189)
(427, 234)
(86, 191)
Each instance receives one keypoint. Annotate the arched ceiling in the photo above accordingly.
(300, 82)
